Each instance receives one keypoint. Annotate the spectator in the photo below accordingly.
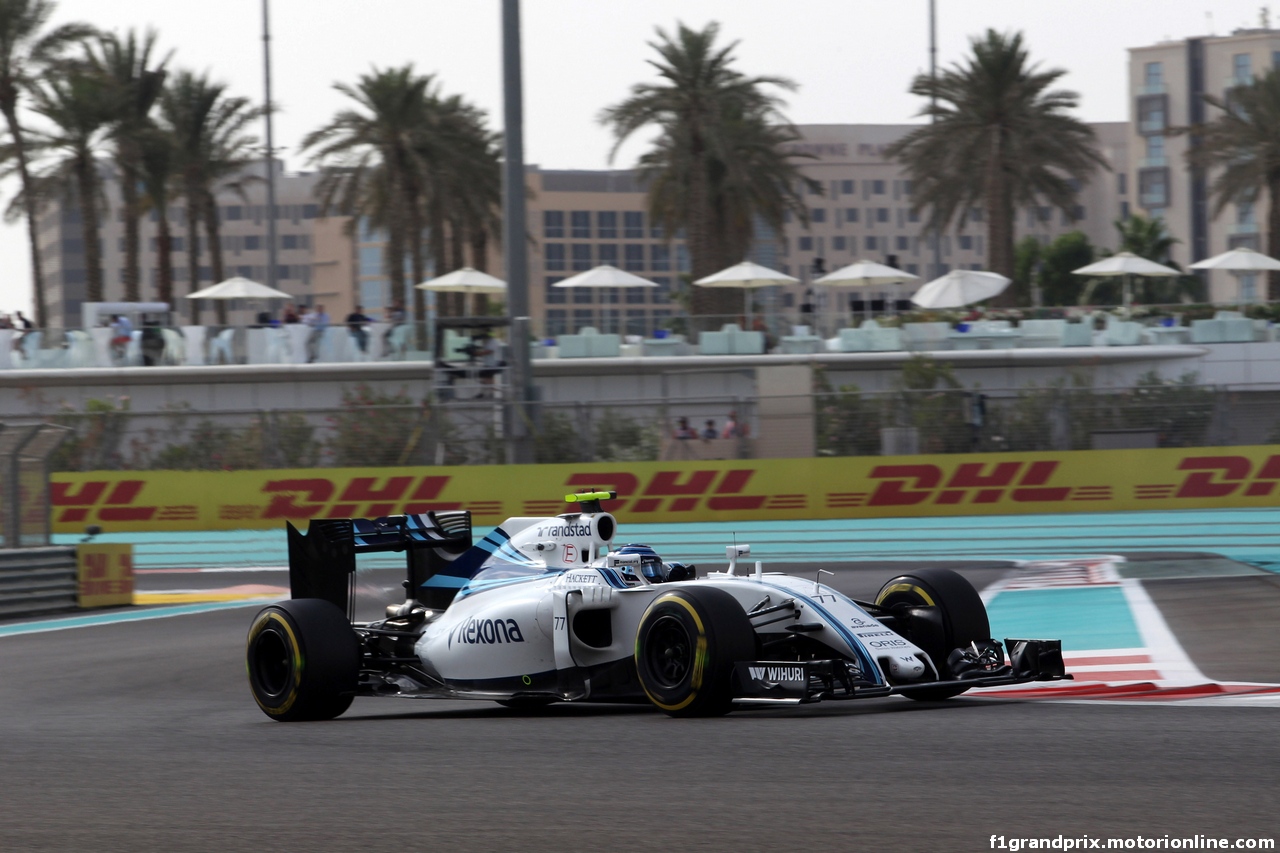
(20, 322)
(355, 325)
(318, 320)
(733, 428)
(709, 430)
(683, 430)
(290, 313)
(121, 335)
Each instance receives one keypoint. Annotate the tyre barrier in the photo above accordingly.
(37, 580)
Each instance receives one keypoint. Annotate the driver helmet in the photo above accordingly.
(650, 563)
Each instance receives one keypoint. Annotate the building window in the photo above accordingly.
(554, 253)
(311, 211)
(839, 244)
(818, 214)
(252, 243)
(846, 188)
(870, 244)
(1153, 189)
(608, 253)
(581, 256)
(555, 295)
(913, 215)
(660, 257)
(908, 187)
(553, 224)
(851, 214)
(1122, 183)
(877, 187)
(635, 295)
(1155, 151)
(1153, 78)
(607, 225)
(1152, 113)
(1245, 214)
(580, 223)
(682, 257)
(882, 214)
(1242, 69)
(914, 269)
(814, 189)
(232, 213)
(634, 257)
(805, 244)
(633, 225)
(656, 232)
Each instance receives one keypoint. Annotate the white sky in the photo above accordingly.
(853, 59)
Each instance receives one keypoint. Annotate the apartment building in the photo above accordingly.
(1167, 85)
(244, 243)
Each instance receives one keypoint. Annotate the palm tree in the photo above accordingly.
(372, 166)
(1243, 142)
(207, 130)
(78, 105)
(127, 63)
(1000, 139)
(718, 160)
(27, 53)
(1148, 238)
(156, 168)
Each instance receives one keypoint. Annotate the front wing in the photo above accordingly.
(791, 682)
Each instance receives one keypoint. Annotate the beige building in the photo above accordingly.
(1167, 84)
(864, 211)
(244, 245)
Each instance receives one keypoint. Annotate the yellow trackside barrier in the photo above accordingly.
(847, 487)
(104, 574)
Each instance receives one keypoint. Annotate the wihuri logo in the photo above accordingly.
(777, 673)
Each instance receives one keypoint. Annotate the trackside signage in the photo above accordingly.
(860, 487)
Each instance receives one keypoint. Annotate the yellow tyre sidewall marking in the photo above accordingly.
(699, 656)
(295, 650)
(906, 587)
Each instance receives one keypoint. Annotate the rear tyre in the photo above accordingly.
(303, 660)
(963, 618)
(686, 646)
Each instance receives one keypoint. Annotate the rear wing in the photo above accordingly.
(322, 561)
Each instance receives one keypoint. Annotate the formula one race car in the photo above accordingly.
(548, 610)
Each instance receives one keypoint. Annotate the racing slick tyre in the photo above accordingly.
(963, 618)
(303, 660)
(686, 646)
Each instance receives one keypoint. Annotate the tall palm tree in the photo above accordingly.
(156, 166)
(210, 146)
(705, 111)
(1149, 238)
(27, 53)
(1000, 139)
(78, 107)
(1243, 143)
(127, 63)
(372, 166)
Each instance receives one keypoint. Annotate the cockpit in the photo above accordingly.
(652, 566)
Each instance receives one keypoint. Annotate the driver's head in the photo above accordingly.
(650, 562)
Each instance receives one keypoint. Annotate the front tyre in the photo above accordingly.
(686, 646)
(303, 660)
(956, 616)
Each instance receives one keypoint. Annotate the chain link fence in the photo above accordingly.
(379, 430)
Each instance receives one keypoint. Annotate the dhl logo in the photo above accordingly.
(970, 482)
(675, 491)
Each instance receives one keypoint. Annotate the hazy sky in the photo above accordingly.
(853, 59)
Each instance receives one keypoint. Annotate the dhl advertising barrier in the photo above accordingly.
(104, 574)
(847, 487)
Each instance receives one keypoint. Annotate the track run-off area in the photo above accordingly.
(134, 729)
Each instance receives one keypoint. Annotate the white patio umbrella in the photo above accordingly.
(960, 287)
(605, 276)
(1239, 261)
(748, 275)
(864, 273)
(238, 288)
(1128, 265)
(465, 280)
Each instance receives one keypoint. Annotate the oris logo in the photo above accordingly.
(484, 632)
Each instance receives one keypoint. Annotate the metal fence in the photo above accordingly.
(375, 431)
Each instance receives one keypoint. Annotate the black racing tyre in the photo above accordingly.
(963, 619)
(303, 660)
(686, 646)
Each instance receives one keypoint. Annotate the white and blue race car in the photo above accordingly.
(547, 610)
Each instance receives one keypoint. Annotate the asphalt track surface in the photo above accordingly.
(143, 736)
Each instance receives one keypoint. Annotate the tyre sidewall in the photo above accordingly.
(323, 660)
